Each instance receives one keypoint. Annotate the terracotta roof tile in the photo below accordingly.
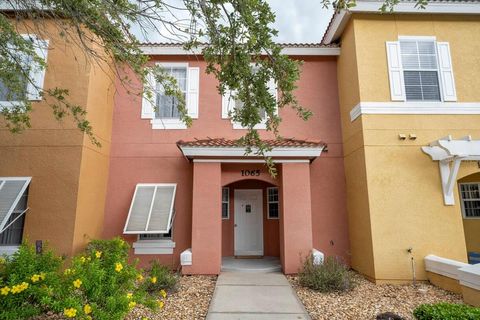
(284, 45)
(274, 143)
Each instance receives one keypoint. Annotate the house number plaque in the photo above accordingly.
(250, 173)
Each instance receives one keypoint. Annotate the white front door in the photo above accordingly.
(248, 234)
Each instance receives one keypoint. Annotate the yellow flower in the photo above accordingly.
(118, 267)
(87, 309)
(129, 295)
(4, 291)
(42, 275)
(70, 312)
(35, 278)
(163, 293)
(153, 279)
(161, 304)
(132, 304)
(77, 283)
(2, 260)
(82, 259)
(89, 259)
(67, 271)
(140, 277)
(19, 287)
(98, 254)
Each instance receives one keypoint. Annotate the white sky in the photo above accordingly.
(296, 21)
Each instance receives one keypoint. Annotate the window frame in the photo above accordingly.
(437, 70)
(269, 202)
(41, 47)
(227, 202)
(462, 200)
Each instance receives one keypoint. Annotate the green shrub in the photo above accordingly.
(446, 311)
(99, 283)
(332, 275)
(28, 282)
(160, 278)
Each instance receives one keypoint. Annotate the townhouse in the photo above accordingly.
(385, 173)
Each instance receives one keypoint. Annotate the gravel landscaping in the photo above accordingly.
(367, 300)
(190, 301)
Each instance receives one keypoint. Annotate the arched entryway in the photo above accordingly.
(469, 194)
(250, 219)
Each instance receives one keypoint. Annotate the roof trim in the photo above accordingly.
(340, 19)
(283, 152)
(177, 49)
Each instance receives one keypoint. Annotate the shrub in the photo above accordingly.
(446, 311)
(332, 275)
(99, 283)
(160, 278)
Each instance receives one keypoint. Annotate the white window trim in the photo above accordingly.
(163, 246)
(277, 202)
(170, 219)
(462, 201)
(227, 202)
(41, 49)
(440, 72)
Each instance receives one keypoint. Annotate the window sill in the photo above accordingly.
(153, 247)
(168, 124)
(8, 250)
(259, 126)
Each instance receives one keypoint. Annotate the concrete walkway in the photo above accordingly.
(249, 296)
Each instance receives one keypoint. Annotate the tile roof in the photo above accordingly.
(284, 45)
(231, 143)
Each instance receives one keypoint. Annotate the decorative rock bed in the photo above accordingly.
(367, 300)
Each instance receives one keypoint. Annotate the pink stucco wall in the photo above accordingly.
(140, 154)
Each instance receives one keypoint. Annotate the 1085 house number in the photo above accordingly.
(250, 173)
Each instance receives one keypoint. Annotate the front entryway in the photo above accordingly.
(248, 227)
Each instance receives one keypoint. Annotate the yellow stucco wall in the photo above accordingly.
(67, 192)
(472, 225)
(405, 204)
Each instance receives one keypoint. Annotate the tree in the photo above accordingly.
(238, 33)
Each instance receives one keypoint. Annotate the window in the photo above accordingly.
(13, 205)
(167, 106)
(162, 110)
(151, 209)
(225, 203)
(470, 196)
(230, 103)
(420, 69)
(36, 74)
(272, 203)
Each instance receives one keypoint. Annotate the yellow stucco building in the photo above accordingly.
(406, 80)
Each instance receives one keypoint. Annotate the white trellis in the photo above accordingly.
(450, 153)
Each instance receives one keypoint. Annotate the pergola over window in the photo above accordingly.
(450, 153)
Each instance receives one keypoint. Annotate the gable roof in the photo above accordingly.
(339, 20)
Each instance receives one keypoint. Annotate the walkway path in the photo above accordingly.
(249, 296)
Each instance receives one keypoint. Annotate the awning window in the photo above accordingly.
(11, 191)
(151, 209)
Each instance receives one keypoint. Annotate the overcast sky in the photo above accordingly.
(296, 21)
(300, 20)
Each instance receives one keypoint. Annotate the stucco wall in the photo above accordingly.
(405, 204)
(53, 152)
(141, 154)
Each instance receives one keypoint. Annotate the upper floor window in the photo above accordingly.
(470, 199)
(36, 74)
(420, 69)
(163, 109)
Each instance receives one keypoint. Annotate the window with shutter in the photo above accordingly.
(420, 70)
(470, 196)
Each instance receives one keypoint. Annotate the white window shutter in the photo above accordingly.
(193, 91)
(395, 71)
(272, 88)
(148, 107)
(446, 72)
(227, 104)
(37, 72)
